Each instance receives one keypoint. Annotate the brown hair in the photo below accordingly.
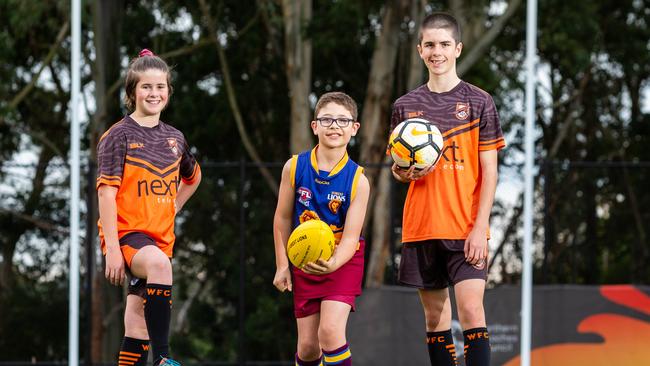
(339, 98)
(146, 60)
(441, 21)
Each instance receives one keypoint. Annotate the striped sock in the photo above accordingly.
(340, 356)
(316, 362)
(477, 347)
(442, 351)
(134, 352)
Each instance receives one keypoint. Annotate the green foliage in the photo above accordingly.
(34, 331)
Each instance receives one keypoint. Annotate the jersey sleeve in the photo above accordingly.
(189, 168)
(395, 117)
(490, 134)
(111, 152)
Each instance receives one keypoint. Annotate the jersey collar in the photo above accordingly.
(337, 168)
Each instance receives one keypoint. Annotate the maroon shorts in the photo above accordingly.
(344, 285)
(307, 307)
(435, 264)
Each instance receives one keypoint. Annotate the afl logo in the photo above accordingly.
(462, 110)
(173, 145)
(304, 196)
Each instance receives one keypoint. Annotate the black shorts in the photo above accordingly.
(130, 244)
(436, 264)
(137, 286)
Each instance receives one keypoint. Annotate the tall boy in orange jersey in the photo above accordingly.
(447, 209)
(324, 184)
(146, 174)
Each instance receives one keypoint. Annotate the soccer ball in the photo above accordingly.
(311, 240)
(415, 141)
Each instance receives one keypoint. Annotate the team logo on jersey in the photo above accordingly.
(480, 265)
(304, 196)
(336, 199)
(415, 114)
(308, 215)
(173, 145)
(462, 110)
(334, 205)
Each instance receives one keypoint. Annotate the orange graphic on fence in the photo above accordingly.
(624, 339)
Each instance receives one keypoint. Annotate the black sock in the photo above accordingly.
(157, 315)
(134, 352)
(477, 347)
(441, 348)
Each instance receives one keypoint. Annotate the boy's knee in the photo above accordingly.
(330, 335)
(308, 350)
(434, 314)
(472, 314)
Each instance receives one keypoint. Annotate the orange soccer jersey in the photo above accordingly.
(147, 166)
(444, 204)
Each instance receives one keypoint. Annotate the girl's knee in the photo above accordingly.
(160, 264)
(135, 325)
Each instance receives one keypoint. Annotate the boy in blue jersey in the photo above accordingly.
(324, 184)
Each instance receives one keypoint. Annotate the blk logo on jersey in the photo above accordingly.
(304, 196)
(462, 111)
(173, 145)
(415, 114)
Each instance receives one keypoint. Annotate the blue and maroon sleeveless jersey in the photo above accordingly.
(323, 195)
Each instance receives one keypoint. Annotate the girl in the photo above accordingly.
(146, 173)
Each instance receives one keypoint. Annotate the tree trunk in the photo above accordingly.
(298, 55)
(375, 120)
(381, 218)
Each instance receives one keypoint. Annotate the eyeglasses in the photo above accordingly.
(341, 122)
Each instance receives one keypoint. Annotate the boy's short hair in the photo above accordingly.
(441, 21)
(339, 98)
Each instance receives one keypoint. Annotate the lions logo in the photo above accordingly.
(173, 145)
(308, 215)
(304, 196)
(334, 205)
(462, 111)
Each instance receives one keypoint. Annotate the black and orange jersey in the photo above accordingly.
(147, 165)
(444, 204)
